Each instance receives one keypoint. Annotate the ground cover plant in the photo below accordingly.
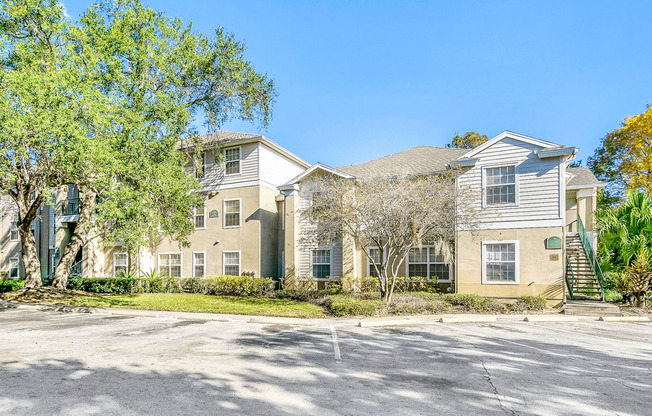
(256, 296)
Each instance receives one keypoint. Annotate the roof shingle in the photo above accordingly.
(582, 176)
(415, 161)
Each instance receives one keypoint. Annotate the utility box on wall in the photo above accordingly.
(553, 242)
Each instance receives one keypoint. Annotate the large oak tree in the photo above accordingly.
(101, 104)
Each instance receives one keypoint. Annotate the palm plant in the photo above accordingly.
(625, 242)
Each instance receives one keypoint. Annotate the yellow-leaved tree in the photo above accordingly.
(624, 158)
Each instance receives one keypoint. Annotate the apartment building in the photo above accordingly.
(529, 203)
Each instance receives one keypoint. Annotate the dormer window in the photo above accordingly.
(232, 158)
(499, 186)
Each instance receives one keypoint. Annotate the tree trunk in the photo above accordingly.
(30, 256)
(86, 207)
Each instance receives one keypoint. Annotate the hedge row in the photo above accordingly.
(360, 284)
(9, 285)
(211, 285)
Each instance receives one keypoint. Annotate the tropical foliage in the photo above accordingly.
(625, 244)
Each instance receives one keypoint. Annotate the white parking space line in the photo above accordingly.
(336, 345)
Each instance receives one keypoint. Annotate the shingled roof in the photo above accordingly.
(221, 137)
(415, 161)
(582, 177)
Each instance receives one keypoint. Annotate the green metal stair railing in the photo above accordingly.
(590, 255)
(570, 277)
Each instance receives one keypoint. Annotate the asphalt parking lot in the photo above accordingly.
(69, 363)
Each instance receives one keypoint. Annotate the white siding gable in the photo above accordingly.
(537, 184)
(214, 176)
(276, 169)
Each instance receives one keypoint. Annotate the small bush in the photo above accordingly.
(417, 303)
(239, 286)
(360, 284)
(529, 303)
(11, 285)
(340, 305)
(473, 303)
(116, 285)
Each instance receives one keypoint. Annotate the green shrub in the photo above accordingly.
(11, 285)
(360, 284)
(529, 303)
(239, 286)
(212, 285)
(118, 285)
(473, 303)
(341, 305)
(417, 303)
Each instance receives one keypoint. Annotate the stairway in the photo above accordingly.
(590, 308)
(586, 285)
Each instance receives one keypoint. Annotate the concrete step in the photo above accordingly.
(591, 308)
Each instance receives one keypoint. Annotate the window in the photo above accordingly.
(500, 185)
(317, 201)
(231, 213)
(13, 268)
(13, 231)
(375, 254)
(169, 264)
(427, 262)
(231, 261)
(200, 217)
(321, 263)
(198, 264)
(200, 171)
(500, 262)
(120, 264)
(232, 161)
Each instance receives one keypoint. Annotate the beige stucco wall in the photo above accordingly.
(258, 220)
(539, 273)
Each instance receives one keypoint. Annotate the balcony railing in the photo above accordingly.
(70, 207)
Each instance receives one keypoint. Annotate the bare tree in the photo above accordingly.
(390, 214)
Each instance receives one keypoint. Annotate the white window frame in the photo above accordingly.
(203, 167)
(517, 256)
(239, 160)
(13, 228)
(369, 264)
(484, 186)
(194, 264)
(330, 263)
(428, 247)
(224, 201)
(115, 264)
(17, 259)
(168, 253)
(194, 217)
(239, 261)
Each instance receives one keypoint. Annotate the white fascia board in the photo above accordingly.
(556, 152)
(462, 163)
(588, 186)
(507, 135)
(315, 167)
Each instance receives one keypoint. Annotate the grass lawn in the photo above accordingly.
(182, 302)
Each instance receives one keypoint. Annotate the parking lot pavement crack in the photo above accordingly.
(487, 376)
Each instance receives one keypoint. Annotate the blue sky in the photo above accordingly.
(361, 79)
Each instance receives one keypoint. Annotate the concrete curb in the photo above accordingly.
(624, 319)
(467, 319)
(550, 318)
